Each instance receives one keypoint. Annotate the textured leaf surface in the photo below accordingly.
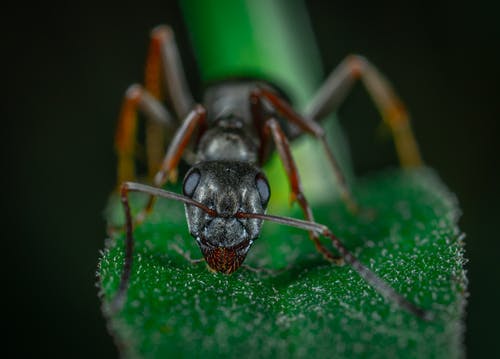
(311, 309)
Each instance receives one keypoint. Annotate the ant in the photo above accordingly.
(225, 192)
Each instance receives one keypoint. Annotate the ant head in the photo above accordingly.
(227, 188)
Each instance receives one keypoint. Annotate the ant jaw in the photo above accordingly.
(224, 259)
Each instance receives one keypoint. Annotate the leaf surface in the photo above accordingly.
(311, 308)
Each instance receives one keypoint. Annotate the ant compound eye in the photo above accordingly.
(263, 188)
(191, 182)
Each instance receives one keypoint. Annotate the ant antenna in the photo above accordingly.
(370, 277)
(127, 187)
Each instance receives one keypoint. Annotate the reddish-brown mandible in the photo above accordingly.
(225, 260)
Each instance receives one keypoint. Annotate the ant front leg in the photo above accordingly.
(272, 128)
(390, 106)
(285, 153)
(194, 119)
(307, 126)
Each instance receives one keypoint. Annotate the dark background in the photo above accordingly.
(67, 68)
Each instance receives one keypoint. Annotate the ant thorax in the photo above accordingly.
(232, 131)
(226, 143)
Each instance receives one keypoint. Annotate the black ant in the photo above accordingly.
(225, 192)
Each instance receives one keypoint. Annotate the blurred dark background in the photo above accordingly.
(67, 67)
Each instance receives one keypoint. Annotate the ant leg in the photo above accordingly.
(162, 65)
(136, 99)
(310, 127)
(285, 154)
(125, 188)
(164, 77)
(370, 277)
(164, 60)
(390, 106)
(194, 120)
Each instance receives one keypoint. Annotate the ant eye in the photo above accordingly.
(263, 188)
(191, 182)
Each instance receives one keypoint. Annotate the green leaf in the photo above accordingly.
(311, 309)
